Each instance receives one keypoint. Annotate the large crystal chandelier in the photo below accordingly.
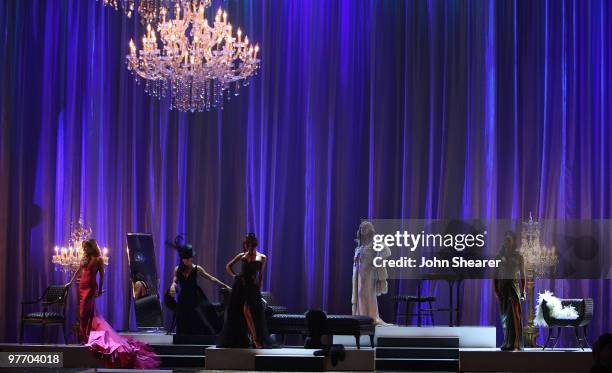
(198, 64)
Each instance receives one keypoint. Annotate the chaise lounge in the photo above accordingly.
(280, 321)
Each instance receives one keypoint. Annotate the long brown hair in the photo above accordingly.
(90, 249)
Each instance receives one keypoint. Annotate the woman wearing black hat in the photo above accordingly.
(245, 313)
(194, 313)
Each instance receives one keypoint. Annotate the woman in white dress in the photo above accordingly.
(368, 281)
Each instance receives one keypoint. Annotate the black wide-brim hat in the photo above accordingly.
(186, 251)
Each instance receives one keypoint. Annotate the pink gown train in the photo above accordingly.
(117, 351)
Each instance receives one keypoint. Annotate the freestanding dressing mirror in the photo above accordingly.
(144, 281)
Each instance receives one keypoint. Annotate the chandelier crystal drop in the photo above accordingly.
(149, 10)
(198, 65)
(126, 5)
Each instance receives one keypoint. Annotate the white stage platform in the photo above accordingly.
(300, 359)
(469, 336)
(151, 337)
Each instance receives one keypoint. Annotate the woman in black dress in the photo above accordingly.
(194, 313)
(510, 291)
(245, 312)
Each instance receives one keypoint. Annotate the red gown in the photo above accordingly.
(99, 336)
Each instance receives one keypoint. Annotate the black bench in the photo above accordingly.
(291, 323)
(280, 321)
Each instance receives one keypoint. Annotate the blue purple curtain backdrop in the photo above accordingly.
(362, 109)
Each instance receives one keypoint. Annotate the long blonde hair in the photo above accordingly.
(365, 233)
(90, 249)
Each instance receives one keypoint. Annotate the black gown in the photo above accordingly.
(509, 296)
(194, 313)
(235, 333)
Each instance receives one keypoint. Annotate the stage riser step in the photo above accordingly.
(162, 349)
(296, 363)
(182, 361)
(194, 339)
(417, 353)
(422, 365)
(433, 342)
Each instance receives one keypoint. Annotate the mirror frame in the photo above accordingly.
(149, 263)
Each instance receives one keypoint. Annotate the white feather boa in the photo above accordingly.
(556, 309)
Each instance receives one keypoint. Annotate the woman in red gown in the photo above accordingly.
(95, 332)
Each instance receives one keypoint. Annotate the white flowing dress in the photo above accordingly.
(368, 282)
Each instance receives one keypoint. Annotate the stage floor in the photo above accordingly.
(471, 360)
(408, 348)
(529, 360)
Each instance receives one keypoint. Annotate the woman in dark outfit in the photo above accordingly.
(194, 313)
(245, 313)
(510, 291)
(140, 288)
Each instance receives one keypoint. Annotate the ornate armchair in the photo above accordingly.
(585, 314)
(53, 302)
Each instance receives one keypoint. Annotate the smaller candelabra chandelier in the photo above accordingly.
(198, 65)
(539, 261)
(68, 258)
(539, 258)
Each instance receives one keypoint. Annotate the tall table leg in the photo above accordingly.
(458, 308)
(451, 306)
(418, 304)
